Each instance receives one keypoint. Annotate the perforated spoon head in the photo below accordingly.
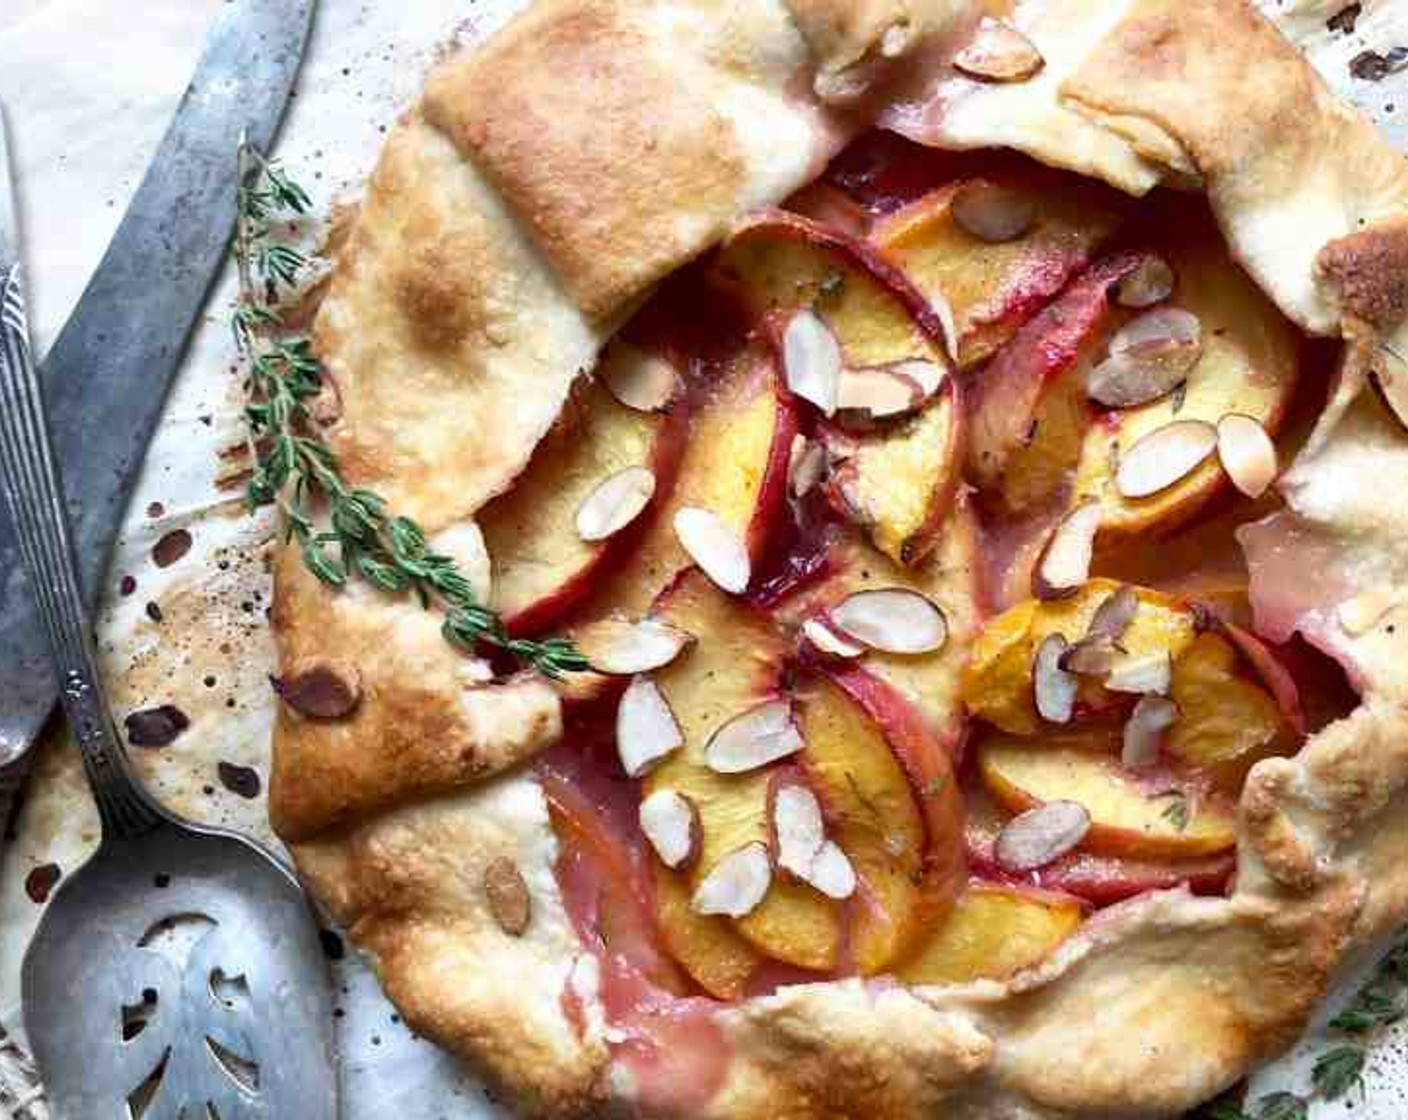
(181, 972)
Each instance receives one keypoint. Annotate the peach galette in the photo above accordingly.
(939, 750)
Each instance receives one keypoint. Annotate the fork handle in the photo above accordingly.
(29, 477)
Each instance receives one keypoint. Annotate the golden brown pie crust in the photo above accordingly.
(519, 213)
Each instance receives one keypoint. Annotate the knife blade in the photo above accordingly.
(108, 374)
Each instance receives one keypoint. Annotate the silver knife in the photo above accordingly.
(107, 376)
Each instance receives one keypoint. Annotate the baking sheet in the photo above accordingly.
(86, 118)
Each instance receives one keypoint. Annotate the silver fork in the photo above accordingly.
(179, 972)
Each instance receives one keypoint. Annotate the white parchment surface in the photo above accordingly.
(90, 86)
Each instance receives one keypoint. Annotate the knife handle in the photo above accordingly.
(29, 477)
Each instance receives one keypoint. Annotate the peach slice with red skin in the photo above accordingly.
(736, 664)
(899, 480)
(1134, 816)
(734, 464)
(542, 567)
(1249, 365)
(992, 289)
(992, 933)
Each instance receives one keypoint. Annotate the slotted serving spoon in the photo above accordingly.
(179, 974)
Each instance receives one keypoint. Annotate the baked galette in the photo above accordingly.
(966, 443)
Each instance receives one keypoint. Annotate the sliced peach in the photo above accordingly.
(736, 663)
(1249, 365)
(900, 480)
(874, 818)
(708, 947)
(542, 567)
(734, 465)
(992, 933)
(1028, 412)
(1126, 817)
(1099, 879)
(949, 578)
(899, 483)
(992, 289)
(997, 684)
(1225, 723)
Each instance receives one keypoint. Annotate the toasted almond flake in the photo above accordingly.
(1147, 673)
(1053, 689)
(1041, 836)
(1064, 564)
(1390, 378)
(622, 649)
(811, 360)
(878, 393)
(831, 872)
(1247, 453)
(670, 822)
(998, 52)
(1092, 656)
(639, 380)
(737, 884)
(1149, 357)
(1360, 614)
(615, 503)
(1151, 282)
(1144, 731)
(1113, 616)
(760, 735)
(806, 467)
(798, 829)
(1165, 456)
(508, 897)
(646, 730)
(715, 548)
(992, 213)
(825, 640)
(929, 376)
(892, 620)
(1158, 330)
(943, 311)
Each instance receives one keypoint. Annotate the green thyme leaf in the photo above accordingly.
(1338, 1071)
(1282, 1106)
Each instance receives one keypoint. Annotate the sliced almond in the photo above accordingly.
(646, 729)
(825, 640)
(623, 649)
(757, 737)
(1092, 656)
(1144, 673)
(670, 822)
(1165, 456)
(806, 467)
(942, 310)
(1360, 614)
(1247, 453)
(1064, 565)
(811, 360)
(1113, 616)
(1390, 378)
(1148, 358)
(639, 380)
(998, 52)
(892, 620)
(737, 884)
(1151, 282)
(878, 393)
(929, 376)
(1041, 835)
(992, 213)
(1144, 731)
(798, 829)
(1053, 688)
(715, 548)
(508, 897)
(615, 503)
(831, 872)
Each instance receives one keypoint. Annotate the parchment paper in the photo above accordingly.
(90, 86)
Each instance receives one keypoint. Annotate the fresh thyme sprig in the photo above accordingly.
(297, 471)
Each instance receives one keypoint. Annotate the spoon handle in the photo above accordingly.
(34, 496)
